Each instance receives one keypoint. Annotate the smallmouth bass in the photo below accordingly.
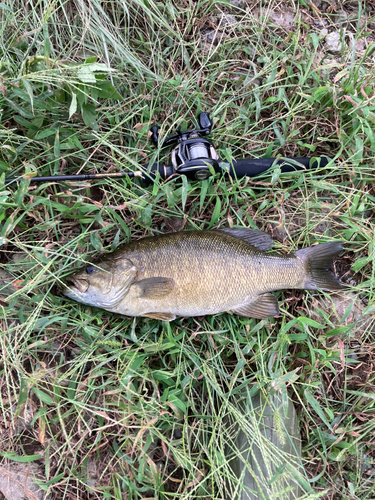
(194, 273)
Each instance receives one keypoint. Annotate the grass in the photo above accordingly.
(112, 407)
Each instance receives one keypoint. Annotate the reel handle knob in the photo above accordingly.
(155, 134)
(205, 122)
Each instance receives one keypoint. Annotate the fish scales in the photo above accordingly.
(209, 263)
(193, 273)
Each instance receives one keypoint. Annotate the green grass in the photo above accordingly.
(124, 408)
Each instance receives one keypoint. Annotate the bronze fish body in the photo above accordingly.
(194, 273)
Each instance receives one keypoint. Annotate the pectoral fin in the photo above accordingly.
(154, 288)
(264, 306)
(160, 316)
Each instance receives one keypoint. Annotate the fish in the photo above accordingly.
(196, 273)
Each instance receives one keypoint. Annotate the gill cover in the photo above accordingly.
(117, 276)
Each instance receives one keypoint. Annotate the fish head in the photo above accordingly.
(102, 285)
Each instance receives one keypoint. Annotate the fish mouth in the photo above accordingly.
(80, 285)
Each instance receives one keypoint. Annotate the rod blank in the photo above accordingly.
(77, 177)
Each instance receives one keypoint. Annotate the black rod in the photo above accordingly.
(77, 177)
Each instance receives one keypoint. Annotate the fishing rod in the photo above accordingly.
(194, 157)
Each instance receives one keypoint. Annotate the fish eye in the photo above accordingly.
(90, 270)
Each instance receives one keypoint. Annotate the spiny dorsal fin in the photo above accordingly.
(257, 238)
(160, 316)
(154, 288)
(264, 306)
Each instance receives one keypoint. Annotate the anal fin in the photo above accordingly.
(160, 316)
(264, 306)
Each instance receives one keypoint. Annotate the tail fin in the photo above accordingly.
(318, 259)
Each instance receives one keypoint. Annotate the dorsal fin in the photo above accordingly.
(256, 238)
